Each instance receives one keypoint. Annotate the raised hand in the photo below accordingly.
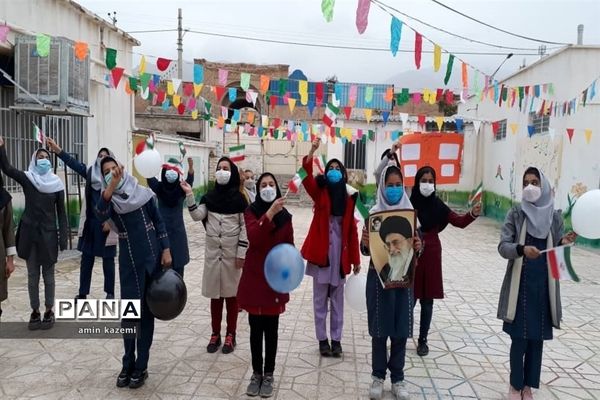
(55, 148)
(476, 210)
(315, 146)
(275, 207)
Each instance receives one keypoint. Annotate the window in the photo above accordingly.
(541, 123)
(501, 132)
(355, 155)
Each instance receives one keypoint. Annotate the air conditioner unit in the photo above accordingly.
(59, 80)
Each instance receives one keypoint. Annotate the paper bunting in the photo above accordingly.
(389, 94)
(191, 104)
(421, 119)
(236, 115)
(319, 93)
(181, 109)
(418, 49)
(232, 94)
(437, 57)
(166, 104)
(142, 67)
(368, 114)
(352, 95)
(530, 130)
(449, 69)
(188, 89)
(219, 91)
(194, 114)
(396, 34)
(570, 132)
(514, 128)
(198, 89)
(368, 94)
(245, 80)
(116, 74)
(162, 64)
(416, 98)
(362, 15)
(176, 84)
(42, 45)
(495, 127)
(459, 124)
(347, 112)
(476, 126)
(160, 96)
(327, 9)
(132, 81)
(404, 119)
(264, 84)
(588, 135)
(127, 88)
(223, 75)
(81, 50)
(439, 122)
(4, 29)
(253, 96)
(385, 115)
(176, 100)
(303, 91)
(250, 117)
(111, 58)
(198, 74)
(465, 77)
(170, 88)
(291, 104)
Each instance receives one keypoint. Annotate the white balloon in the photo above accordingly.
(355, 292)
(148, 163)
(586, 215)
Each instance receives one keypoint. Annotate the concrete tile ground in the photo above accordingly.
(468, 359)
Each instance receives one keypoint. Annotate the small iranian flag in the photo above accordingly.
(294, 184)
(559, 261)
(360, 211)
(182, 150)
(319, 162)
(38, 134)
(476, 195)
(330, 115)
(236, 153)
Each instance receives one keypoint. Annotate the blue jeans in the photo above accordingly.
(85, 274)
(380, 362)
(525, 363)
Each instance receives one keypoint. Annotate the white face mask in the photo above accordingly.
(171, 176)
(426, 189)
(268, 194)
(532, 193)
(222, 176)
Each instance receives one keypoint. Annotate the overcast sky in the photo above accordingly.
(302, 21)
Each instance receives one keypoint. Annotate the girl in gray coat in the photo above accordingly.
(530, 298)
(38, 240)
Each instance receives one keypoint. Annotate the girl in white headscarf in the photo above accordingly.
(37, 238)
(530, 298)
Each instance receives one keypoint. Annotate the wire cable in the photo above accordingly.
(495, 27)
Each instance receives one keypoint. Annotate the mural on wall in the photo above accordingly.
(542, 152)
(499, 172)
(512, 182)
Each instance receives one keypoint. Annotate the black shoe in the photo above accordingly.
(81, 297)
(35, 321)
(138, 378)
(48, 321)
(422, 348)
(124, 377)
(324, 348)
(110, 296)
(229, 344)
(214, 343)
(336, 349)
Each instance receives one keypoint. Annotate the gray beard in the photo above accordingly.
(399, 264)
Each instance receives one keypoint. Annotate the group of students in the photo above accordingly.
(243, 221)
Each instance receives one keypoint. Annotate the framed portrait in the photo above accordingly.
(391, 237)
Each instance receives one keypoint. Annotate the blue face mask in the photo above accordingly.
(108, 179)
(171, 176)
(42, 166)
(393, 194)
(334, 175)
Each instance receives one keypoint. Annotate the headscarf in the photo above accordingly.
(131, 196)
(431, 211)
(170, 193)
(5, 197)
(96, 177)
(337, 191)
(47, 183)
(382, 203)
(260, 207)
(226, 199)
(539, 214)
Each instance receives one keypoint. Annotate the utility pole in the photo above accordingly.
(179, 46)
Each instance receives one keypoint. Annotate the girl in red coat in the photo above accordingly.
(434, 216)
(331, 248)
(268, 224)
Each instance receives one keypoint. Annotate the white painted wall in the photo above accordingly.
(570, 71)
(168, 146)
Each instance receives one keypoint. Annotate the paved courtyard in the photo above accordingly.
(468, 357)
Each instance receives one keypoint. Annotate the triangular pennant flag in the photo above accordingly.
(404, 119)
(385, 115)
(176, 84)
(449, 69)
(264, 84)
(439, 122)
(530, 130)
(116, 74)
(396, 34)
(570, 132)
(459, 124)
(197, 89)
(514, 127)
(421, 119)
(81, 50)
(162, 64)
(253, 96)
(476, 126)
(368, 114)
(219, 91)
(327, 9)
(588, 135)
(224, 112)
(437, 57)
(495, 126)
(111, 58)
(142, 66)
(362, 15)
(347, 112)
(418, 49)
(291, 104)
(311, 107)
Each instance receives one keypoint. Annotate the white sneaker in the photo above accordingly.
(399, 391)
(376, 390)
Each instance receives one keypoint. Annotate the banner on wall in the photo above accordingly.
(442, 151)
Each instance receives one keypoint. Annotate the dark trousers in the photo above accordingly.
(263, 326)
(426, 316)
(380, 362)
(85, 274)
(216, 314)
(525, 363)
(145, 332)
